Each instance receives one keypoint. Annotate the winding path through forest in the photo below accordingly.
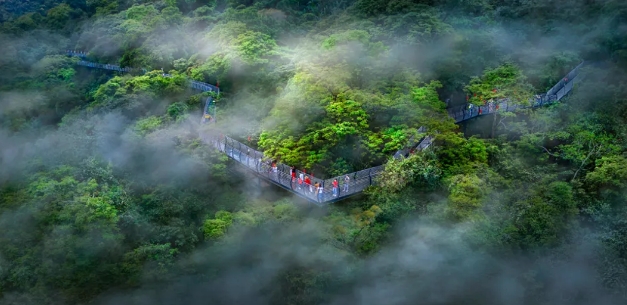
(254, 160)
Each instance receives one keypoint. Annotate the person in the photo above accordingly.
(335, 187)
(308, 184)
(293, 174)
(346, 182)
(275, 171)
(301, 176)
(320, 192)
(300, 183)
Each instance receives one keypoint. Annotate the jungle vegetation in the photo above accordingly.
(108, 195)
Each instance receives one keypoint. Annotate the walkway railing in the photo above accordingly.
(281, 174)
(562, 88)
(209, 114)
(465, 112)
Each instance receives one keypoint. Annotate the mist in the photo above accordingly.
(166, 183)
(428, 264)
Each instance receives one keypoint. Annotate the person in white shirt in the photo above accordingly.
(320, 192)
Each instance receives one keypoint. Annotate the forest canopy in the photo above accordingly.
(110, 195)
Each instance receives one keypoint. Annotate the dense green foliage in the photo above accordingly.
(108, 195)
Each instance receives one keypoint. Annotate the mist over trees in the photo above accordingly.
(109, 196)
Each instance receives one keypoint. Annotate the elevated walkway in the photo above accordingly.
(280, 174)
(209, 109)
(465, 112)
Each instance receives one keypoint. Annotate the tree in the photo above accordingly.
(582, 143)
(459, 155)
(542, 218)
(57, 17)
(359, 231)
(253, 47)
(217, 227)
(505, 82)
(466, 193)
(151, 262)
(608, 178)
(420, 168)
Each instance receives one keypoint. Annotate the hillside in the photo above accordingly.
(110, 192)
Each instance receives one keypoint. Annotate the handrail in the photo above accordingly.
(281, 174)
(193, 83)
(466, 111)
(208, 116)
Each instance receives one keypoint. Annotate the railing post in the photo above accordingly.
(322, 185)
(240, 153)
(370, 177)
(257, 166)
(339, 189)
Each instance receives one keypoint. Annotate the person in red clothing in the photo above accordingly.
(335, 187)
(308, 184)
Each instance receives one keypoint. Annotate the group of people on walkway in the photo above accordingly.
(492, 106)
(302, 183)
(300, 180)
